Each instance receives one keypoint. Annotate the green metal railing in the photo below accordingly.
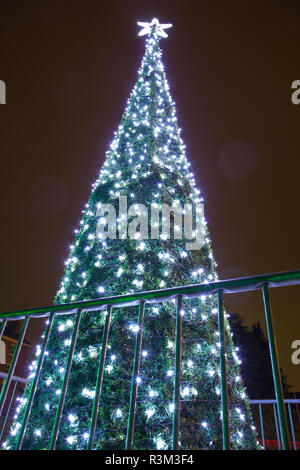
(262, 282)
(264, 403)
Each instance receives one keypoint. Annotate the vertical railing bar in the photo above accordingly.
(135, 373)
(34, 383)
(223, 372)
(8, 410)
(65, 383)
(99, 379)
(276, 426)
(2, 327)
(276, 370)
(13, 364)
(177, 381)
(261, 426)
(292, 426)
(297, 409)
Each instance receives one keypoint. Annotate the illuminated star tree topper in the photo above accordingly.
(155, 24)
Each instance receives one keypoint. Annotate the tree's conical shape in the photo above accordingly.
(146, 163)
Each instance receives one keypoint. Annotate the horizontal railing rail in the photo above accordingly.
(228, 286)
(139, 299)
(293, 401)
(15, 378)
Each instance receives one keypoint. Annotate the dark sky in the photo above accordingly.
(69, 67)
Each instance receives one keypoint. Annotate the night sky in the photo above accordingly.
(69, 67)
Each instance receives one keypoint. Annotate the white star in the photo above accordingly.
(147, 28)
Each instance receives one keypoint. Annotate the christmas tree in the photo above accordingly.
(145, 166)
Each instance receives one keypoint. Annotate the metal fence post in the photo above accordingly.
(261, 425)
(276, 426)
(99, 380)
(34, 383)
(65, 383)
(135, 373)
(224, 386)
(292, 426)
(276, 370)
(8, 410)
(177, 382)
(13, 364)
